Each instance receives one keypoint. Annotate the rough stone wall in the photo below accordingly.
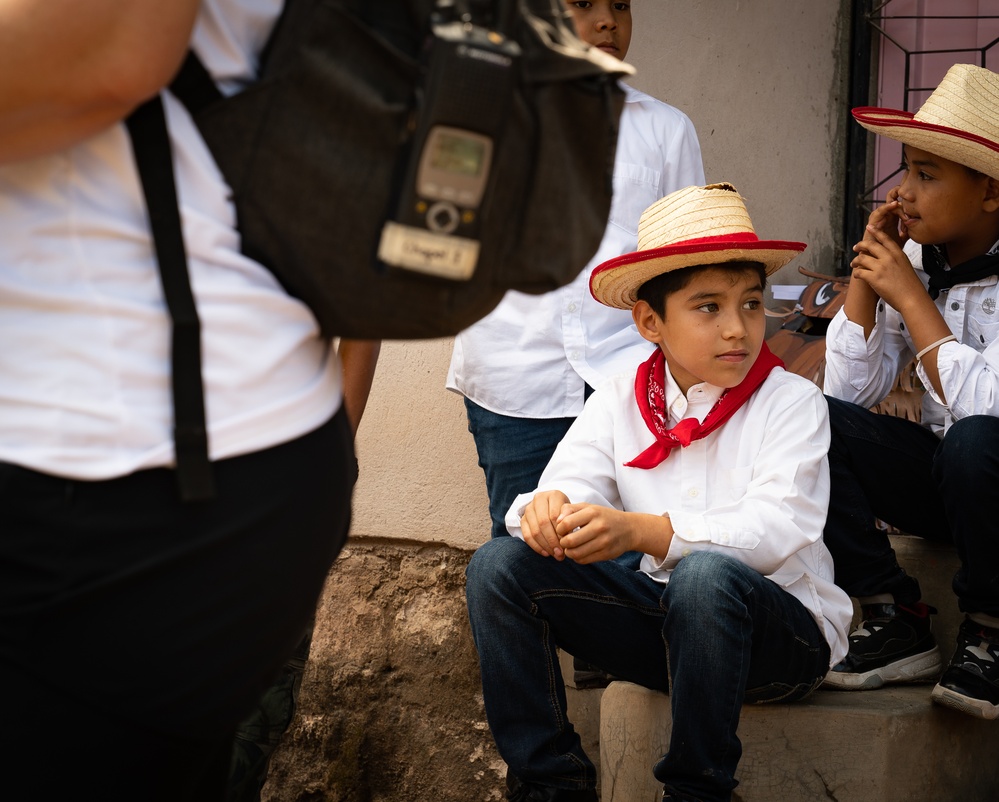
(391, 706)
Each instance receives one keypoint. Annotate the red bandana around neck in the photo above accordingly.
(650, 392)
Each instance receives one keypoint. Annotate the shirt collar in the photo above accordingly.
(700, 398)
(991, 252)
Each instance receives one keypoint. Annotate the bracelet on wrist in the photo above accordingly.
(937, 344)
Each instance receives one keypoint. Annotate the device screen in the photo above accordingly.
(454, 165)
(459, 154)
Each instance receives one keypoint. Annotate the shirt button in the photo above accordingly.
(955, 305)
(572, 307)
(693, 492)
(574, 355)
(686, 552)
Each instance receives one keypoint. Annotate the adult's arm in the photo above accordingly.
(70, 69)
(358, 358)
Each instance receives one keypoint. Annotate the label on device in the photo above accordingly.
(429, 252)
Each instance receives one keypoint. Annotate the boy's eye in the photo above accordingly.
(754, 303)
(711, 307)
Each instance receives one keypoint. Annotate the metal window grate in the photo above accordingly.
(908, 45)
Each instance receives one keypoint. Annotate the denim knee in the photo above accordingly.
(969, 445)
(490, 564)
(698, 577)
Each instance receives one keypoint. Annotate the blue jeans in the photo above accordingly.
(940, 489)
(512, 453)
(718, 635)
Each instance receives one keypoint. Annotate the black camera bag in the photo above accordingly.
(313, 151)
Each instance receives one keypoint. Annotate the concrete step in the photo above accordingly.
(888, 745)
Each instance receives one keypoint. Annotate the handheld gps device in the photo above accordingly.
(471, 74)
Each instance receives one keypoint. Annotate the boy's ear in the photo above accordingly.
(646, 320)
(991, 202)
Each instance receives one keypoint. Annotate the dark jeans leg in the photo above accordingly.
(732, 635)
(512, 453)
(881, 467)
(966, 470)
(156, 624)
(521, 608)
(259, 734)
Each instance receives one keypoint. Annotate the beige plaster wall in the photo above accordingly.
(763, 82)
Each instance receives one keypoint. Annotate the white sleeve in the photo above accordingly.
(583, 465)
(783, 508)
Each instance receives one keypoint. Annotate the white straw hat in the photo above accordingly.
(959, 121)
(692, 226)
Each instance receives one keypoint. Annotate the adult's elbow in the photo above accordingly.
(124, 86)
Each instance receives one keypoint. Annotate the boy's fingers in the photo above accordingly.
(528, 528)
(574, 519)
(549, 537)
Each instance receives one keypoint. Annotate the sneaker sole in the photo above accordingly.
(978, 708)
(925, 667)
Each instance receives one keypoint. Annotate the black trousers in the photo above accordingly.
(940, 489)
(137, 631)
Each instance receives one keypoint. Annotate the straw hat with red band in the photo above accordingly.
(959, 121)
(692, 226)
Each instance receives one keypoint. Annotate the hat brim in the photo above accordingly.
(959, 146)
(615, 282)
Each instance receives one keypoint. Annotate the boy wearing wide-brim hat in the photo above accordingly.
(924, 285)
(710, 461)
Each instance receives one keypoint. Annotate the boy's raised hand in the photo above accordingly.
(882, 265)
(885, 223)
(538, 523)
(888, 218)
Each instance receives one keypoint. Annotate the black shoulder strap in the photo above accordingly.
(151, 146)
(193, 85)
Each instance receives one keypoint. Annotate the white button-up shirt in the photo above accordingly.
(864, 371)
(756, 489)
(532, 356)
(84, 332)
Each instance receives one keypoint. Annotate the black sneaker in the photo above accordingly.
(892, 644)
(519, 791)
(674, 796)
(971, 682)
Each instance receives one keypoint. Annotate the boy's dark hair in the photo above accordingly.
(656, 290)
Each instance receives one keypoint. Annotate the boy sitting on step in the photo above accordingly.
(924, 283)
(711, 461)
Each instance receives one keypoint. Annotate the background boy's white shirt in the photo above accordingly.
(84, 368)
(533, 355)
(756, 489)
(864, 372)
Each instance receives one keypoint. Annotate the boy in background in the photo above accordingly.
(526, 368)
(711, 463)
(924, 285)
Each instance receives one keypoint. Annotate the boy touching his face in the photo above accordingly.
(710, 460)
(924, 284)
